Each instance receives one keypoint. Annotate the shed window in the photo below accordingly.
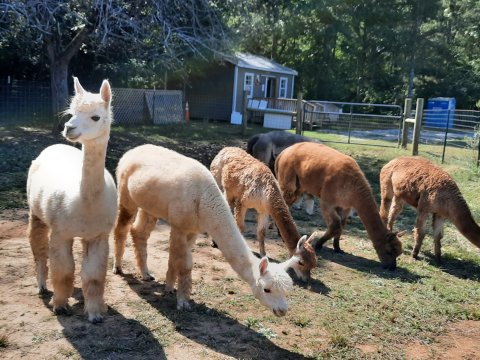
(282, 89)
(248, 84)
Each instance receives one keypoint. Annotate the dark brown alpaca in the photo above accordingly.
(341, 185)
(249, 184)
(425, 186)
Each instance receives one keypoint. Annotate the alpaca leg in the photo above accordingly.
(38, 235)
(343, 213)
(124, 220)
(309, 202)
(262, 225)
(419, 232)
(180, 266)
(93, 274)
(239, 213)
(385, 206)
(334, 227)
(437, 224)
(62, 269)
(141, 230)
(395, 209)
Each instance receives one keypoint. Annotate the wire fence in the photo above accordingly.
(22, 100)
(454, 132)
(26, 101)
(380, 124)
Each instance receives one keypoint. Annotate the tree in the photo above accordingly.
(165, 30)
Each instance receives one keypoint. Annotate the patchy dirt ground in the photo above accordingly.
(226, 321)
(142, 322)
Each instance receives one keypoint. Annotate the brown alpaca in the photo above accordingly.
(341, 185)
(154, 182)
(425, 186)
(249, 184)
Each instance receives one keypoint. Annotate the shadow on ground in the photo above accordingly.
(209, 327)
(116, 338)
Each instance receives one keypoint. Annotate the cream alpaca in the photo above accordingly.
(70, 194)
(425, 186)
(249, 183)
(154, 182)
(341, 185)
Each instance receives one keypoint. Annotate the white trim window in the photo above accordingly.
(282, 89)
(248, 84)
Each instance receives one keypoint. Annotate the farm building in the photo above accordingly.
(217, 92)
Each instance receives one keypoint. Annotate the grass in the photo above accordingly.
(350, 301)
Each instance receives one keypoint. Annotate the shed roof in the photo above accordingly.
(249, 61)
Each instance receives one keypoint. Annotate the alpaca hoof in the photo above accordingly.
(117, 270)
(148, 277)
(415, 256)
(44, 292)
(169, 289)
(183, 305)
(214, 245)
(95, 318)
(62, 310)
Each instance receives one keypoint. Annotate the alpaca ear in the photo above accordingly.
(263, 265)
(301, 242)
(106, 92)
(78, 88)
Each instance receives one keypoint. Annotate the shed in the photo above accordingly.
(217, 92)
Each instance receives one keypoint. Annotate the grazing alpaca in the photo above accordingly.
(267, 146)
(154, 182)
(70, 194)
(248, 183)
(341, 185)
(425, 186)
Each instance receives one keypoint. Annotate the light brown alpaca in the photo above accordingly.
(249, 184)
(154, 182)
(427, 187)
(341, 185)
(70, 194)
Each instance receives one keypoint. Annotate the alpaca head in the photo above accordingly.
(90, 114)
(305, 260)
(273, 286)
(389, 250)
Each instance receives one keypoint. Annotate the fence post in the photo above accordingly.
(406, 114)
(350, 123)
(417, 126)
(445, 138)
(244, 113)
(299, 124)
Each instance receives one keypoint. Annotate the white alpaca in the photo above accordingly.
(154, 182)
(70, 194)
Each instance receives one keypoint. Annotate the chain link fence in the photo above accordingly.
(26, 101)
(22, 100)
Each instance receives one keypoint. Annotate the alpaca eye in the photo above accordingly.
(301, 263)
(267, 290)
(95, 118)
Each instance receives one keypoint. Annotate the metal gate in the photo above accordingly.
(356, 123)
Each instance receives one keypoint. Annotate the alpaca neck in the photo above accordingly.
(231, 243)
(465, 223)
(285, 223)
(93, 168)
(368, 212)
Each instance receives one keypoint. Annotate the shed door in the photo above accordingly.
(269, 85)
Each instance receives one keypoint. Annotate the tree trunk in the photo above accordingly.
(59, 88)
